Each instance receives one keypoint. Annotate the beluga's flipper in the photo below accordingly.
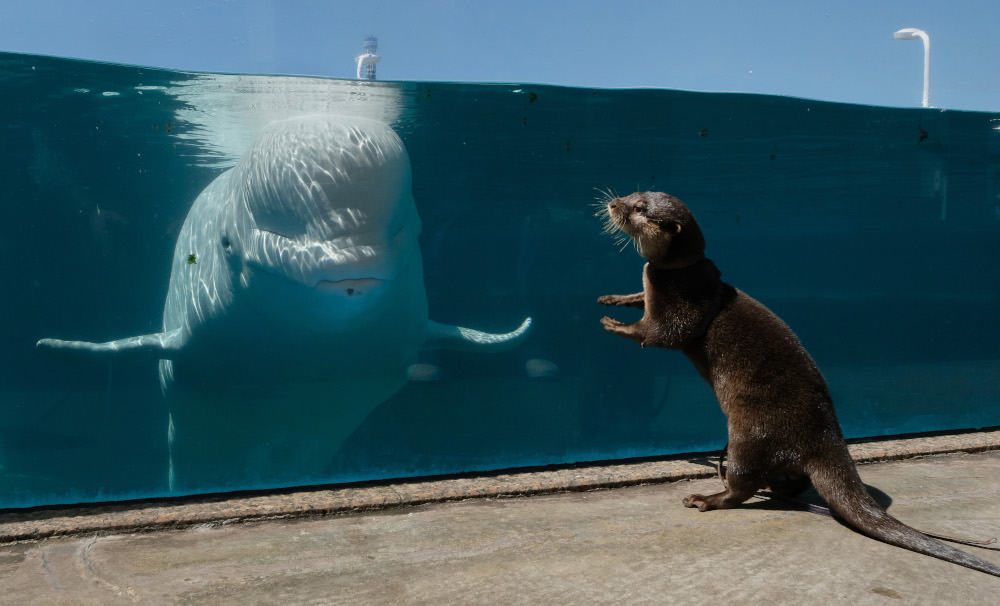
(157, 345)
(446, 336)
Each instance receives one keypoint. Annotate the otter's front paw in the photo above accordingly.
(611, 324)
(696, 500)
(608, 299)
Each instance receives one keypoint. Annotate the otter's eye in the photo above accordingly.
(640, 208)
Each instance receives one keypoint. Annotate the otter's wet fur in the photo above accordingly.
(781, 416)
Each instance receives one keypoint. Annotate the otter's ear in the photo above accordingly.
(673, 227)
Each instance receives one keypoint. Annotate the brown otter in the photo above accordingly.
(781, 416)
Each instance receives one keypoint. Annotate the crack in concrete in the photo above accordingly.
(83, 555)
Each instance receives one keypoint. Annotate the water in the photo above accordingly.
(872, 231)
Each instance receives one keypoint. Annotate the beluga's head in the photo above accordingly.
(328, 225)
(663, 229)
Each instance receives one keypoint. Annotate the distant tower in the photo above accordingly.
(367, 61)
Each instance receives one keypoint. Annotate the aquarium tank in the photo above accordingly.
(195, 213)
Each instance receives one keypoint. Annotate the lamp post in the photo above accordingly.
(912, 33)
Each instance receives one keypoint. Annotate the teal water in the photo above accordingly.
(874, 232)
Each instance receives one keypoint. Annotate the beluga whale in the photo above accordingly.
(295, 306)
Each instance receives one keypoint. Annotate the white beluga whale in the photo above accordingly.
(296, 305)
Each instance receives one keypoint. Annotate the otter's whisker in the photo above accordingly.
(606, 195)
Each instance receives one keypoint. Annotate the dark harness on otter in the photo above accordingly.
(718, 298)
(713, 309)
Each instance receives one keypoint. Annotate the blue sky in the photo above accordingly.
(838, 50)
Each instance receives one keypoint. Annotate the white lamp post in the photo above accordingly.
(912, 33)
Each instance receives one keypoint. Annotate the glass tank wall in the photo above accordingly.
(873, 232)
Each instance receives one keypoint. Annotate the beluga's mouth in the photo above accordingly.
(355, 287)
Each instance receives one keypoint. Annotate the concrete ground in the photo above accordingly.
(625, 545)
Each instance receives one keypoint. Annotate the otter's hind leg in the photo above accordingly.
(739, 488)
(743, 477)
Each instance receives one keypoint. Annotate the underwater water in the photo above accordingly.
(873, 232)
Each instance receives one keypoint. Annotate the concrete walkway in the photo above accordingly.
(631, 545)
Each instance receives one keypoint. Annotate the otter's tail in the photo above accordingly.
(843, 490)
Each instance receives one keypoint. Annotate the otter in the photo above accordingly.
(780, 414)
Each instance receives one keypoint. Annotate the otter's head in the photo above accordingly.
(664, 230)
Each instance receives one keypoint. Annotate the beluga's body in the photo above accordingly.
(296, 304)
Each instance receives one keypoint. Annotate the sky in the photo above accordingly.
(835, 50)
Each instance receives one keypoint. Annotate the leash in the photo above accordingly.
(720, 468)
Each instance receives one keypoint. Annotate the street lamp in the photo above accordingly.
(912, 33)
